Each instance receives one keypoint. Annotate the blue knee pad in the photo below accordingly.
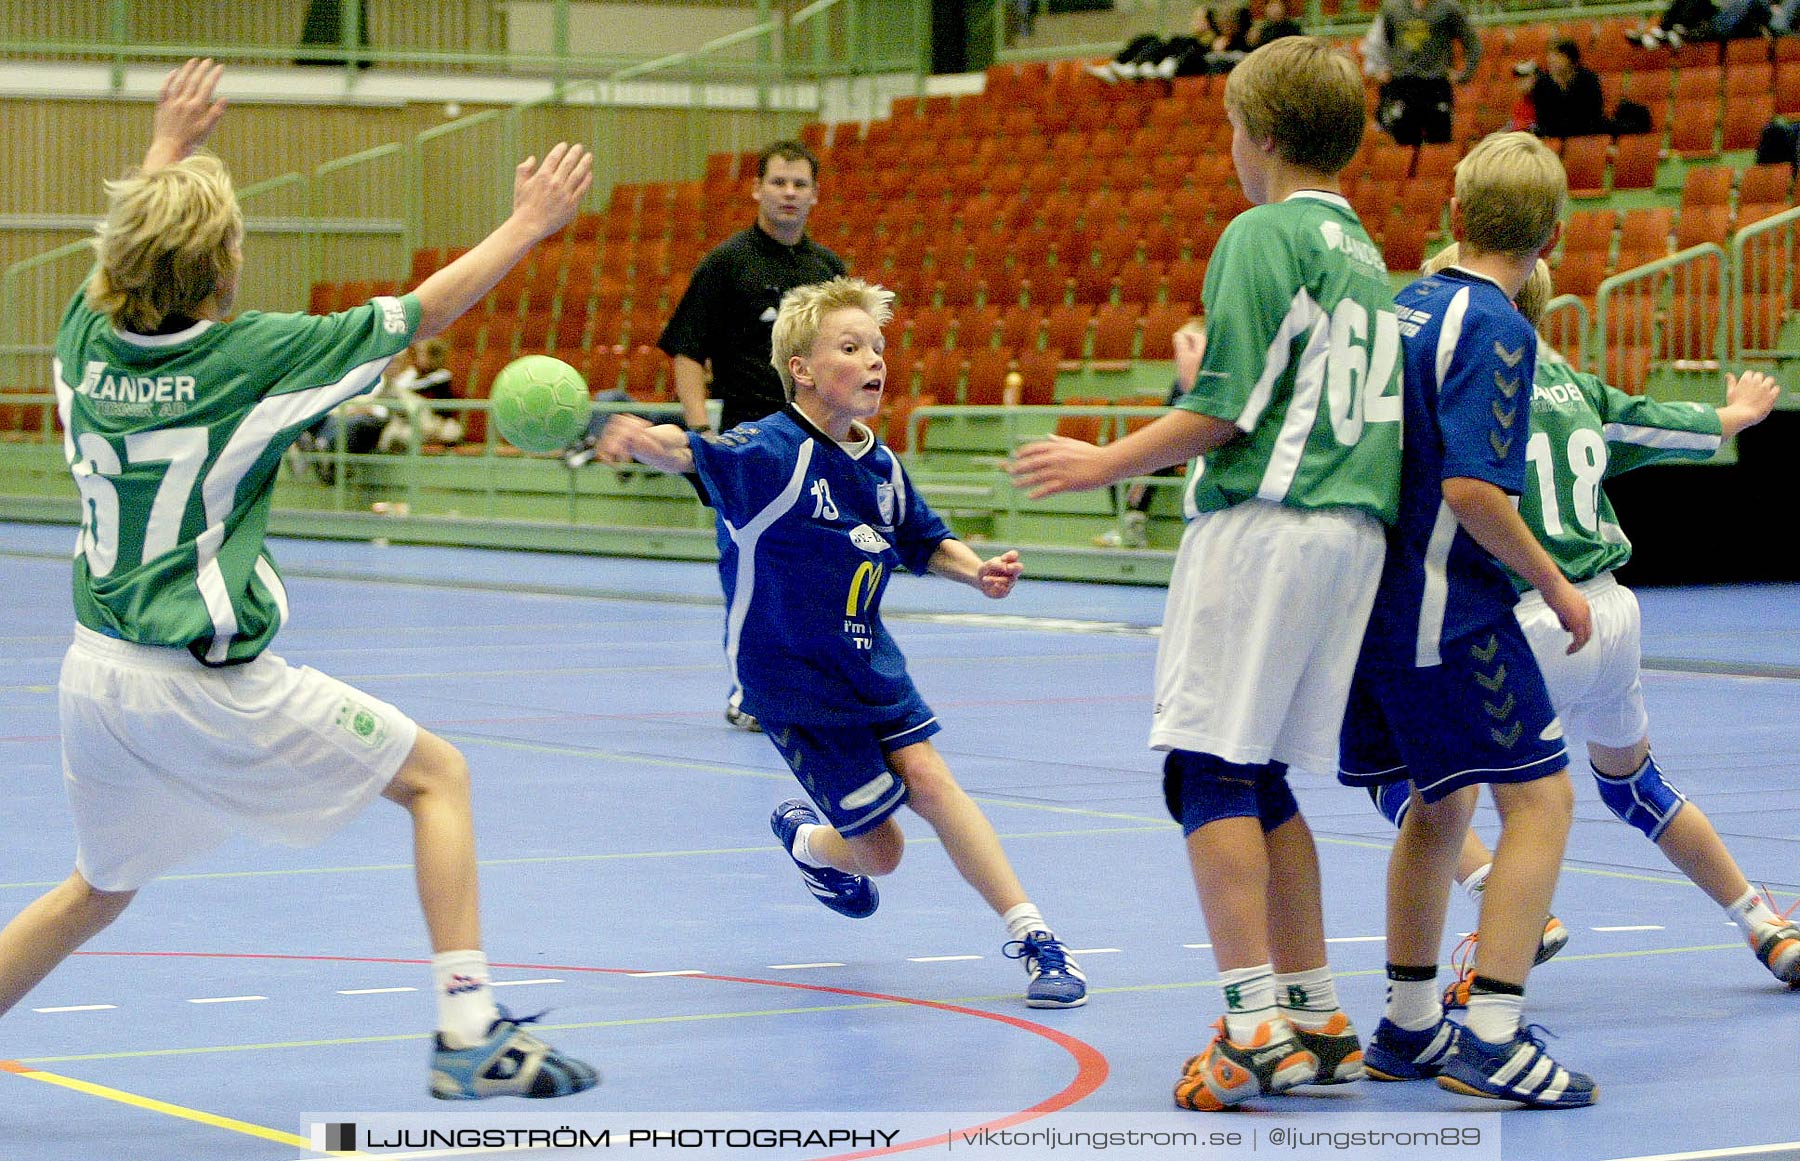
(1645, 800)
(1392, 799)
(1201, 788)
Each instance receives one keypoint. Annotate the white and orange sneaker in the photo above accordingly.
(1228, 1073)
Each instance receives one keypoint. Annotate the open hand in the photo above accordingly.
(546, 197)
(1045, 467)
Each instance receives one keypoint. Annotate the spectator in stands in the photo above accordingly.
(408, 389)
(1785, 17)
(1233, 42)
(1152, 57)
(1274, 25)
(727, 314)
(1702, 20)
(1409, 50)
(1565, 94)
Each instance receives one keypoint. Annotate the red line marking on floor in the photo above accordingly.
(1090, 1063)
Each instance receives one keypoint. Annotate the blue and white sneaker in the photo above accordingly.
(510, 1062)
(844, 893)
(1397, 1054)
(1056, 980)
(1518, 1070)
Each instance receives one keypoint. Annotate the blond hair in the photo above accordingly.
(1511, 188)
(1532, 298)
(1305, 97)
(804, 310)
(170, 242)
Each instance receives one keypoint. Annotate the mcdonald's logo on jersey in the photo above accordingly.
(863, 584)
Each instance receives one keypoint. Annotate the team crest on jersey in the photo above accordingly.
(362, 723)
(884, 500)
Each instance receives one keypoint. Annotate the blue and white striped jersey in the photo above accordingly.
(809, 535)
(1469, 357)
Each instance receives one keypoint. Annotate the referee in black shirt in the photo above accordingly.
(728, 312)
(725, 317)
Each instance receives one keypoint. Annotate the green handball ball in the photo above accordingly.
(539, 403)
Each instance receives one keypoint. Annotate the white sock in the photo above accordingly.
(1494, 1016)
(465, 998)
(1751, 911)
(1308, 999)
(1476, 883)
(1023, 920)
(1249, 1000)
(1414, 1004)
(802, 847)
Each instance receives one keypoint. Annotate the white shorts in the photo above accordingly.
(163, 758)
(1267, 608)
(1596, 692)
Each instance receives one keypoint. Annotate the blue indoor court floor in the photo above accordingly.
(632, 888)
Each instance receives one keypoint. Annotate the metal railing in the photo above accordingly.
(1764, 287)
(1668, 313)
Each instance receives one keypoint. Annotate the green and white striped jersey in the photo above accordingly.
(1583, 433)
(174, 442)
(1302, 355)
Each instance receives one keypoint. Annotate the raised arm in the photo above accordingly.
(1748, 400)
(186, 111)
(545, 198)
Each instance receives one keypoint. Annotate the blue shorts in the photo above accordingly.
(1481, 716)
(844, 768)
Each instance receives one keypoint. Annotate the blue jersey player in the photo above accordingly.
(1447, 694)
(815, 516)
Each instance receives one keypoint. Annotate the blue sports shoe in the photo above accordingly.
(1518, 1070)
(844, 893)
(510, 1062)
(1056, 981)
(1397, 1054)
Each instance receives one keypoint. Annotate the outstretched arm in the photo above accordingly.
(186, 112)
(632, 437)
(958, 562)
(1748, 400)
(1059, 464)
(545, 198)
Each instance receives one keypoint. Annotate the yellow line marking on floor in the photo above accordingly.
(150, 1104)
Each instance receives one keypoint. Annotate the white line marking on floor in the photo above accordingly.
(1630, 927)
(520, 983)
(1093, 951)
(782, 967)
(938, 958)
(659, 975)
(79, 1008)
(227, 999)
(1197, 946)
(1708, 1154)
(373, 991)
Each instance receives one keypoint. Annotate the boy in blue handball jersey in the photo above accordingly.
(1293, 427)
(815, 516)
(1583, 434)
(180, 727)
(1447, 694)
